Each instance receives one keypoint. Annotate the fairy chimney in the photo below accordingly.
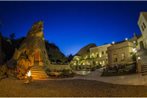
(33, 48)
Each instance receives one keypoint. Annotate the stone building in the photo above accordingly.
(142, 49)
(99, 54)
(121, 53)
(96, 56)
(142, 23)
(0, 51)
(76, 60)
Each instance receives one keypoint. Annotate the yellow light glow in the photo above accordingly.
(134, 50)
(29, 73)
(138, 58)
(100, 55)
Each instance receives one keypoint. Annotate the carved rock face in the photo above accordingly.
(32, 51)
(36, 30)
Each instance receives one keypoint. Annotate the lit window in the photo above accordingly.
(100, 55)
(122, 56)
(103, 62)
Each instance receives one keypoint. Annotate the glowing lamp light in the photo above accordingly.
(113, 42)
(134, 50)
(29, 73)
(134, 42)
(139, 58)
(126, 39)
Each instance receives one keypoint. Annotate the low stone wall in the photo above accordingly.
(59, 67)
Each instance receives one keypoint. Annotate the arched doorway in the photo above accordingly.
(36, 57)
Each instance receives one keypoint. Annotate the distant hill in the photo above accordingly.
(54, 53)
(85, 49)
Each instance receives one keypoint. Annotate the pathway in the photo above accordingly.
(134, 79)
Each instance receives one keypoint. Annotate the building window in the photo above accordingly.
(115, 58)
(106, 52)
(144, 25)
(102, 52)
(122, 56)
(100, 55)
(97, 55)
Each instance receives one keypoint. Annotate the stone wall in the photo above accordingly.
(120, 53)
(142, 23)
(99, 54)
(59, 67)
(0, 51)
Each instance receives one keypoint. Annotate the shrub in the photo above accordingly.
(66, 73)
(3, 71)
(120, 70)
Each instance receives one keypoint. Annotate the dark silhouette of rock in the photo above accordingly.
(54, 54)
(85, 49)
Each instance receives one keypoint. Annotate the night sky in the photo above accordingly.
(72, 25)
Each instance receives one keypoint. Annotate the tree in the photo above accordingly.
(12, 36)
(1, 34)
(70, 57)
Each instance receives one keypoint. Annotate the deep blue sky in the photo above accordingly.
(72, 25)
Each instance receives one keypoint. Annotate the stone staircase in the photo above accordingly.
(38, 73)
(144, 69)
(144, 63)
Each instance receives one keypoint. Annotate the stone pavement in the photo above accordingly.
(134, 79)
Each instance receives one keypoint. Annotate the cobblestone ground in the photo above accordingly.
(77, 87)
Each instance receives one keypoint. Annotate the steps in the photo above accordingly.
(143, 54)
(38, 73)
(144, 69)
(144, 65)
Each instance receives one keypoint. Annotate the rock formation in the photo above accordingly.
(32, 51)
(85, 49)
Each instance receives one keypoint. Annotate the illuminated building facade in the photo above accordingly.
(121, 53)
(142, 23)
(142, 49)
(99, 54)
